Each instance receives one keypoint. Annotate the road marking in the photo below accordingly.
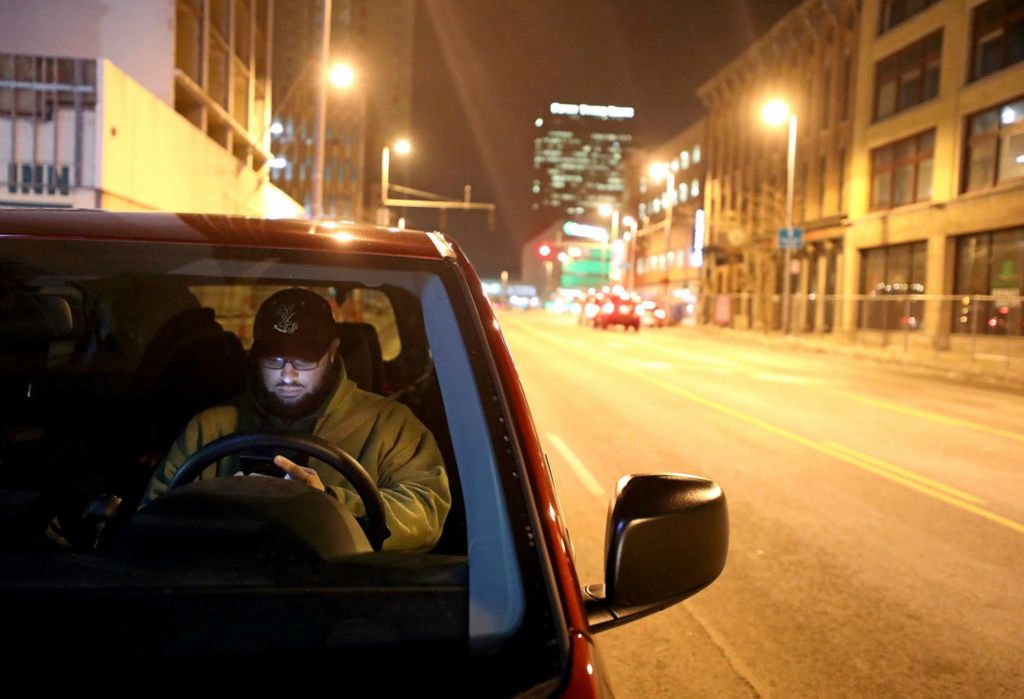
(793, 437)
(785, 378)
(589, 482)
(936, 417)
(937, 494)
(912, 475)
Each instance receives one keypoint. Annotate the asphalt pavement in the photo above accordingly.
(877, 516)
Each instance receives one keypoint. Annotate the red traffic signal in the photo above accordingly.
(545, 251)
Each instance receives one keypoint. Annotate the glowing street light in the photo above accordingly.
(403, 146)
(775, 112)
(342, 75)
(658, 172)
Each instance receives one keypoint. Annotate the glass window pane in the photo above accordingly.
(880, 187)
(981, 168)
(924, 180)
(903, 185)
(985, 122)
(926, 143)
(1011, 156)
(886, 99)
(1010, 113)
(910, 89)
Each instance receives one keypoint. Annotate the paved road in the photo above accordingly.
(877, 519)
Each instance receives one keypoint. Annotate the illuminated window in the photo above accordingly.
(994, 146)
(695, 188)
(684, 160)
(684, 192)
(696, 154)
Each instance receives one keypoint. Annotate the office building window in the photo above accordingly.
(901, 172)
(994, 146)
(695, 188)
(908, 77)
(696, 154)
(997, 36)
(684, 159)
(989, 281)
(890, 276)
(894, 12)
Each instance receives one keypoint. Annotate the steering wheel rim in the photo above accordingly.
(340, 460)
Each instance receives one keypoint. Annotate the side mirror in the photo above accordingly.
(668, 536)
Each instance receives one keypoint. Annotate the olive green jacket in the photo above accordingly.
(394, 447)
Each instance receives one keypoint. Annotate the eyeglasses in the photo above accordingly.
(275, 363)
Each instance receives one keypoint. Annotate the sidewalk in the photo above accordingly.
(1005, 373)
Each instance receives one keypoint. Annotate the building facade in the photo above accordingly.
(579, 159)
(179, 123)
(665, 244)
(909, 177)
(808, 59)
(935, 243)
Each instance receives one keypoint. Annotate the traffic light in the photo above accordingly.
(545, 251)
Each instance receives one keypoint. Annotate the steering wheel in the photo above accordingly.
(340, 460)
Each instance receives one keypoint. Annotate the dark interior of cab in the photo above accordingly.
(216, 569)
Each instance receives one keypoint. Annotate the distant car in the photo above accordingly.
(653, 314)
(116, 328)
(617, 309)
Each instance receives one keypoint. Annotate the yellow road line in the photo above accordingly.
(791, 436)
(931, 492)
(936, 417)
(906, 473)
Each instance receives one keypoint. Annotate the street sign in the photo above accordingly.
(792, 239)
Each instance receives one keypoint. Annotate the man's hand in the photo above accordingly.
(303, 474)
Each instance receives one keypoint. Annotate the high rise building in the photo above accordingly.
(579, 159)
(149, 104)
(375, 40)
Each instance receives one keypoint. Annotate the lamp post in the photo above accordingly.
(630, 239)
(402, 147)
(659, 171)
(607, 210)
(775, 113)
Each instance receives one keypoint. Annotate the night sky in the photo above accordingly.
(486, 69)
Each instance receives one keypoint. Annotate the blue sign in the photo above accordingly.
(792, 239)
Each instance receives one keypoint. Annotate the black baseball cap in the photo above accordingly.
(293, 323)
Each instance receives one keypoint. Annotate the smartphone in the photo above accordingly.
(261, 465)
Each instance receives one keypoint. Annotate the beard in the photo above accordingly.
(305, 405)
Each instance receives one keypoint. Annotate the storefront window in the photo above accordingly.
(890, 277)
(990, 283)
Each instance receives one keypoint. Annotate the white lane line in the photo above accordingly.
(589, 482)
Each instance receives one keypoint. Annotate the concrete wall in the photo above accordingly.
(154, 158)
(137, 35)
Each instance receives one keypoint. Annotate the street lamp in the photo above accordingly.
(775, 113)
(342, 75)
(402, 147)
(630, 239)
(659, 171)
(607, 210)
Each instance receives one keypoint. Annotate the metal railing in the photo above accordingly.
(978, 328)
